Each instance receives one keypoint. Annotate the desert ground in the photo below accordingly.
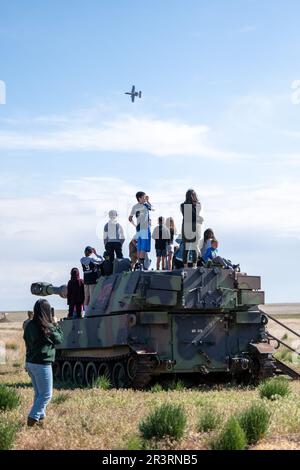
(108, 419)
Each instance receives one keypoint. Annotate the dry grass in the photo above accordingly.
(100, 419)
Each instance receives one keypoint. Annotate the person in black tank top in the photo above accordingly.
(161, 235)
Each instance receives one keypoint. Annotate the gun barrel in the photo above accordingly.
(43, 289)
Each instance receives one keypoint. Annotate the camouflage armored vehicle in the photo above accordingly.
(144, 324)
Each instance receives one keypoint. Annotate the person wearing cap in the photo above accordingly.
(113, 236)
(90, 263)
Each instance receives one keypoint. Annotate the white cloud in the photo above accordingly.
(75, 209)
(42, 238)
(122, 134)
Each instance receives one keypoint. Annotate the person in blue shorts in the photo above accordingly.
(140, 212)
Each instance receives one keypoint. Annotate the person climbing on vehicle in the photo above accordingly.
(91, 263)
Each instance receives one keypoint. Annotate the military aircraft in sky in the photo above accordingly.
(134, 94)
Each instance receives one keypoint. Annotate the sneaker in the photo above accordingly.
(31, 422)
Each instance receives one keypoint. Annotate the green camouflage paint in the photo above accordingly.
(194, 321)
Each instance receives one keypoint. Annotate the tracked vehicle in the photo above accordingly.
(200, 323)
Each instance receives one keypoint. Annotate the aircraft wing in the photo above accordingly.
(132, 97)
(133, 89)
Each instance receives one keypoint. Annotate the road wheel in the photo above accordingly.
(90, 374)
(67, 372)
(104, 370)
(119, 376)
(78, 374)
(131, 367)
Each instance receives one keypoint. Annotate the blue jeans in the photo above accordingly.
(42, 381)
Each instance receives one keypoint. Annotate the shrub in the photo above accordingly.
(134, 443)
(274, 388)
(254, 421)
(232, 437)
(9, 398)
(60, 398)
(176, 385)
(102, 382)
(208, 420)
(156, 388)
(7, 434)
(285, 355)
(166, 421)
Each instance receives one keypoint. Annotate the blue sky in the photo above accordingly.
(220, 113)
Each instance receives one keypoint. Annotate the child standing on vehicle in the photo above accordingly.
(143, 233)
(191, 227)
(170, 224)
(113, 236)
(161, 235)
(75, 294)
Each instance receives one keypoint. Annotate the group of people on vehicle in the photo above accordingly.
(172, 250)
(41, 331)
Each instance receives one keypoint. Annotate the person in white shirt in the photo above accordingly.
(170, 224)
(90, 263)
(113, 236)
(141, 212)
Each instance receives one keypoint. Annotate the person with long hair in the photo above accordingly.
(207, 237)
(191, 226)
(75, 294)
(41, 335)
(170, 224)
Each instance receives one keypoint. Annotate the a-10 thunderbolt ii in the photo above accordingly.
(200, 324)
(134, 94)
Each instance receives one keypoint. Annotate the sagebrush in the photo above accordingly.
(254, 421)
(9, 398)
(168, 420)
(232, 437)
